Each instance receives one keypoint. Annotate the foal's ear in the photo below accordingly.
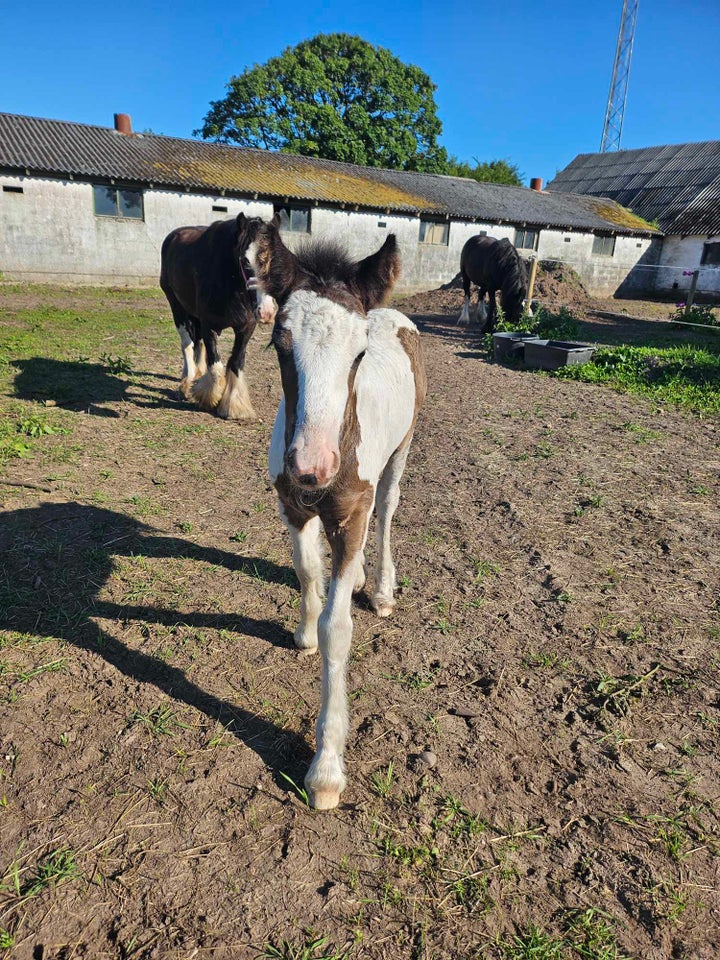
(376, 275)
(273, 264)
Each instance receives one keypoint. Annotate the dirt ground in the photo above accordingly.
(532, 762)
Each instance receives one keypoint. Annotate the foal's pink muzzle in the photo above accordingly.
(313, 468)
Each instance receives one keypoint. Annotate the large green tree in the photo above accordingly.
(338, 97)
(495, 171)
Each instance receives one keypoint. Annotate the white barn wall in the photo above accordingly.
(684, 253)
(50, 232)
(602, 276)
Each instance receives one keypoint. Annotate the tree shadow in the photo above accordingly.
(56, 560)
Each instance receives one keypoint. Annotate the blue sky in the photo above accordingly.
(524, 81)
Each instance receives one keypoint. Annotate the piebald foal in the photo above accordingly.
(353, 381)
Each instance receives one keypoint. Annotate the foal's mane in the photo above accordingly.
(327, 262)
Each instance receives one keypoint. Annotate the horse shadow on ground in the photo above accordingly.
(446, 326)
(56, 560)
(81, 385)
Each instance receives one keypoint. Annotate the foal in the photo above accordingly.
(353, 381)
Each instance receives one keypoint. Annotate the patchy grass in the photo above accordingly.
(687, 376)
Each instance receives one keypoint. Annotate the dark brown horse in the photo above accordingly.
(204, 276)
(493, 265)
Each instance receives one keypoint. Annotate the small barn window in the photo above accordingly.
(526, 239)
(118, 202)
(12, 189)
(567, 239)
(218, 208)
(710, 255)
(382, 225)
(603, 246)
(293, 219)
(434, 232)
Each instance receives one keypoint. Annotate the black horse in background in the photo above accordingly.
(493, 265)
(204, 276)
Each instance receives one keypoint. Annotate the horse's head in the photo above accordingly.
(514, 284)
(246, 230)
(320, 335)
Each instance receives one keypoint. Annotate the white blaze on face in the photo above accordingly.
(327, 339)
(266, 306)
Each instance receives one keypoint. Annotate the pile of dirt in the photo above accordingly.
(444, 300)
(556, 285)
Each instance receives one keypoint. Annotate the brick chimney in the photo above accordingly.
(123, 123)
(536, 184)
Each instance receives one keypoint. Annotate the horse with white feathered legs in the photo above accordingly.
(493, 265)
(204, 275)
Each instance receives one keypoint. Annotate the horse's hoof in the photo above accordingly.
(305, 642)
(235, 410)
(208, 390)
(184, 391)
(381, 605)
(323, 799)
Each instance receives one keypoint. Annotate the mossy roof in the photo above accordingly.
(62, 149)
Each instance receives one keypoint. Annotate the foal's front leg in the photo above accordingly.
(307, 561)
(387, 500)
(325, 780)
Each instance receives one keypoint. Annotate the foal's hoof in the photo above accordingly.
(305, 641)
(381, 605)
(323, 799)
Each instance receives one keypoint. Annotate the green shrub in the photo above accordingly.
(698, 313)
(547, 324)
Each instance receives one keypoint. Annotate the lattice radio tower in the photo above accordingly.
(615, 112)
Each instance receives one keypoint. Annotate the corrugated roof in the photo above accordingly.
(59, 148)
(677, 185)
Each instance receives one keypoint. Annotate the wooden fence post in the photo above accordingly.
(531, 281)
(691, 293)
